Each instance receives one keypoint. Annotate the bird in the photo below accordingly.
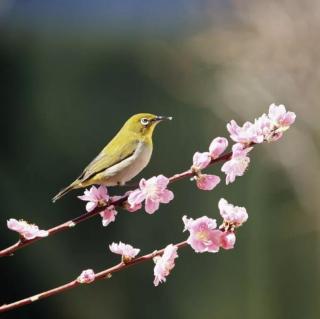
(124, 157)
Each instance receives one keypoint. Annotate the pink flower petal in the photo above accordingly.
(162, 182)
(207, 182)
(166, 196)
(90, 206)
(136, 197)
(151, 205)
(108, 215)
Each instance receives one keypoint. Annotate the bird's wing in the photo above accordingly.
(106, 158)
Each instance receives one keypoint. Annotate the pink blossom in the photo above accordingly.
(86, 277)
(238, 163)
(218, 146)
(164, 264)
(227, 240)
(246, 134)
(204, 237)
(154, 191)
(264, 125)
(201, 160)
(280, 117)
(26, 230)
(108, 215)
(125, 250)
(207, 182)
(95, 197)
(233, 215)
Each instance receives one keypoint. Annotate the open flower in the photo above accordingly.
(204, 237)
(108, 215)
(26, 230)
(201, 160)
(280, 117)
(207, 182)
(164, 264)
(154, 191)
(95, 197)
(246, 134)
(126, 251)
(232, 215)
(238, 163)
(86, 277)
(218, 146)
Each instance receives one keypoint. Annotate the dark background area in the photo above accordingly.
(72, 72)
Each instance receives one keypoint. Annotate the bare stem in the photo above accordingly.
(107, 273)
(71, 223)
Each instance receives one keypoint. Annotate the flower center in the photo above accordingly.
(151, 190)
(202, 235)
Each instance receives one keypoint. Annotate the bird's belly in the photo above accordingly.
(128, 168)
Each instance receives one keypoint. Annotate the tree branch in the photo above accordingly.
(71, 223)
(107, 273)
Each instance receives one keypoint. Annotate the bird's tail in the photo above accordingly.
(64, 191)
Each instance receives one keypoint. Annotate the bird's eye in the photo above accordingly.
(144, 121)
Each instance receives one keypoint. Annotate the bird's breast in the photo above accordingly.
(130, 167)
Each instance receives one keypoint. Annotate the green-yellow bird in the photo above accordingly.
(126, 155)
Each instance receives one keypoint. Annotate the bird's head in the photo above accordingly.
(144, 123)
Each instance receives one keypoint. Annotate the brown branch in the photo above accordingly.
(71, 223)
(107, 273)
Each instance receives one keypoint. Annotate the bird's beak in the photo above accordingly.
(161, 118)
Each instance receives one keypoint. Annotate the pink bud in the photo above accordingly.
(218, 146)
(201, 160)
(228, 239)
(86, 277)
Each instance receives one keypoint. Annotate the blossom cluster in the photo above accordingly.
(204, 236)
(154, 191)
(267, 128)
(97, 197)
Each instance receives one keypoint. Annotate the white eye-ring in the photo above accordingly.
(144, 121)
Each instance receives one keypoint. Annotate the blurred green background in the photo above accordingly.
(73, 71)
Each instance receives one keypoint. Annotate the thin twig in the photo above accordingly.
(107, 273)
(71, 223)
